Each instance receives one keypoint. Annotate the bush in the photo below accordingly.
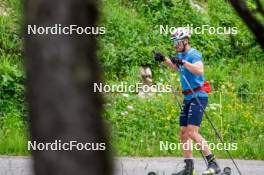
(133, 32)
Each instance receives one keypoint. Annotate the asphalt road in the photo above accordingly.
(137, 166)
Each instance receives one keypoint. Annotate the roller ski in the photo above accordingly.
(226, 171)
(188, 169)
(213, 168)
(213, 171)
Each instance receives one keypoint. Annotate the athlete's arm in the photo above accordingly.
(196, 68)
(168, 62)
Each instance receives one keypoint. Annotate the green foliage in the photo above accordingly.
(125, 44)
(11, 72)
(13, 130)
(11, 85)
(133, 32)
(138, 125)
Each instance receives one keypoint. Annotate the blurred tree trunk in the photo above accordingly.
(255, 25)
(61, 70)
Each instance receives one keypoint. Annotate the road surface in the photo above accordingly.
(137, 166)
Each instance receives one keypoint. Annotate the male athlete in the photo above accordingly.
(189, 63)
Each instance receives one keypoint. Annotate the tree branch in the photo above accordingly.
(251, 21)
(259, 7)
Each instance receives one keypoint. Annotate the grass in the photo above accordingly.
(13, 134)
(13, 127)
(138, 125)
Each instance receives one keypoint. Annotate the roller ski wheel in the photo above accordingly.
(226, 171)
(152, 173)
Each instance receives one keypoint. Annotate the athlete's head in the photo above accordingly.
(180, 38)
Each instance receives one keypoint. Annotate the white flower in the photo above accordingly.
(154, 133)
(213, 107)
(125, 95)
(217, 105)
(108, 104)
(124, 113)
(130, 107)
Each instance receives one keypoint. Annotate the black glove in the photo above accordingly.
(177, 61)
(159, 57)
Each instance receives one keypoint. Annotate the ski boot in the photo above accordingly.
(213, 168)
(188, 169)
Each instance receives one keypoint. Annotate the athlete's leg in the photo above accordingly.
(196, 111)
(184, 133)
(187, 152)
(213, 167)
(193, 133)
(185, 140)
(194, 121)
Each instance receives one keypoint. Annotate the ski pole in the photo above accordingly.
(208, 118)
